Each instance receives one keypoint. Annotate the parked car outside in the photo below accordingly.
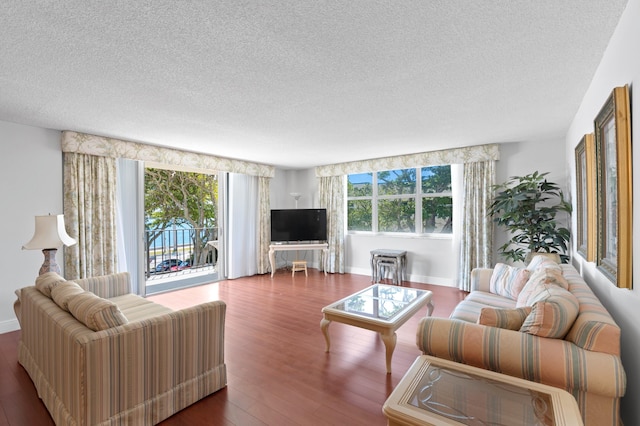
(185, 264)
(166, 265)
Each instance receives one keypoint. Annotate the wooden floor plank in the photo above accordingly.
(278, 370)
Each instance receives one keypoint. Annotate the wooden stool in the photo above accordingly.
(299, 265)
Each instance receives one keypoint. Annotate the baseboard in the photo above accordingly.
(7, 326)
(424, 279)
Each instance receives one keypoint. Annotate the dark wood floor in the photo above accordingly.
(278, 371)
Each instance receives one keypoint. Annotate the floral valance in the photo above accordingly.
(470, 154)
(108, 147)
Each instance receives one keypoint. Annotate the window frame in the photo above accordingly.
(418, 196)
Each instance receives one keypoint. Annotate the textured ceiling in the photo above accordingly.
(302, 83)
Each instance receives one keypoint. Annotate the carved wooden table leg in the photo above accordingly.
(324, 326)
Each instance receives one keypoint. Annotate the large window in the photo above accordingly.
(392, 201)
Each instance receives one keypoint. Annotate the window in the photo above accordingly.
(392, 201)
(359, 201)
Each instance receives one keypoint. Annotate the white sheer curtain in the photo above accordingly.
(243, 225)
(130, 211)
(331, 190)
(476, 246)
(90, 215)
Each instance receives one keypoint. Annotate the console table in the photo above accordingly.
(273, 248)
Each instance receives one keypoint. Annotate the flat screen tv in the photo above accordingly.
(293, 225)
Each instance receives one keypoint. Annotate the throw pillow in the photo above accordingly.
(539, 281)
(553, 315)
(95, 312)
(542, 261)
(510, 319)
(507, 280)
(47, 281)
(64, 292)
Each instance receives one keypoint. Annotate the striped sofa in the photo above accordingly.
(103, 356)
(585, 361)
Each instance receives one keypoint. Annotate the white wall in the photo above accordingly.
(620, 65)
(31, 174)
(303, 182)
(429, 260)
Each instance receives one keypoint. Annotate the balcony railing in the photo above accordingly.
(180, 251)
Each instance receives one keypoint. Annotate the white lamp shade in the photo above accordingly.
(50, 234)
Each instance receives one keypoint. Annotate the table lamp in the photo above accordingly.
(296, 196)
(49, 236)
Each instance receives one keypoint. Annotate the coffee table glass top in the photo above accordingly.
(379, 301)
(475, 400)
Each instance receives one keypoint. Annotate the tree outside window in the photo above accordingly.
(396, 200)
(359, 203)
(437, 201)
(184, 200)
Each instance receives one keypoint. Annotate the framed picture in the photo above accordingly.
(586, 197)
(614, 188)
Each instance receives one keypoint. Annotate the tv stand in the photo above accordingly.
(273, 248)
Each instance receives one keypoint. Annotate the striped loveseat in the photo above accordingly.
(99, 355)
(497, 332)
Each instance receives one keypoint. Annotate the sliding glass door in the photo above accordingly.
(177, 216)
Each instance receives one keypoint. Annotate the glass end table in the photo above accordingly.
(441, 392)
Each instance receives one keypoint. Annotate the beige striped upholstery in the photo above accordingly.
(475, 301)
(139, 373)
(63, 292)
(511, 319)
(136, 308)
(586, 362)
(107, 286)
(95, 312)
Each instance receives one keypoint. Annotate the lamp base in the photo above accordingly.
(49, 264)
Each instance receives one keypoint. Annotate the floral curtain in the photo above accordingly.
(90, 215)
(465, 155)
(477, 226)
(264, 224)
(109, 147)
(332, 198)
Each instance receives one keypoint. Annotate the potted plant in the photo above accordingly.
(527, 207)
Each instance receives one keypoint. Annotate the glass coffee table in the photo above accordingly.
(441, 392)
(380, 308)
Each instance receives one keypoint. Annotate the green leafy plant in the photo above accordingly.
(527, 207)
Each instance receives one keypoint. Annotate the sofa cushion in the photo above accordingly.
(469, 309)
(507, 280)
(538, 282)
(47, 281)
(95, 312)
(510, 319)
(553, 313)
(65, 291)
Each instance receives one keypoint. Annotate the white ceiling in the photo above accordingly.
(300, 83)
